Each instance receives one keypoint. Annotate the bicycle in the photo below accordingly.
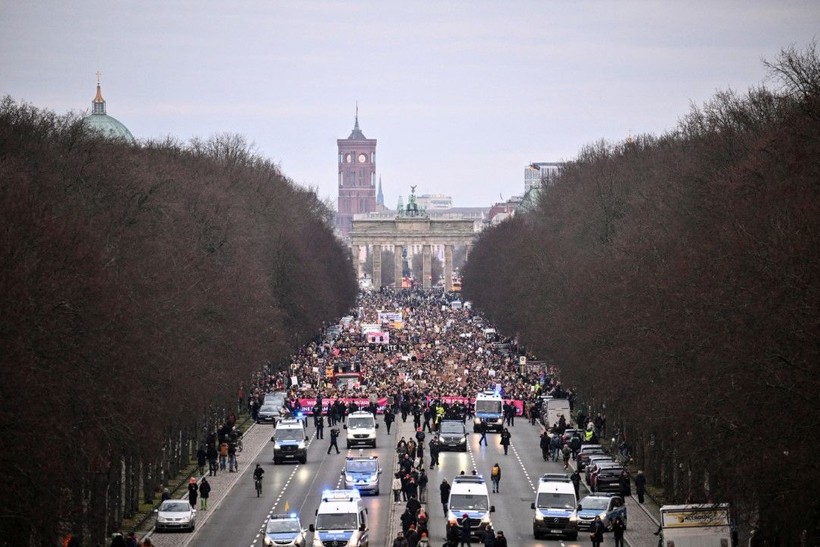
(258, 484)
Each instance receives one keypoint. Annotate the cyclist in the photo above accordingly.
(257, 478)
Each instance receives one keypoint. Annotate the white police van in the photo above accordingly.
(362, 473)
(555, 507)
(341, 520)
(469, 499)
(289, 441)
(361, 428)
(489, 408)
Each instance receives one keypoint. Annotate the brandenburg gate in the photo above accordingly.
(410, 229)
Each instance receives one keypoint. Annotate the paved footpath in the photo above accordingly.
(254, 440)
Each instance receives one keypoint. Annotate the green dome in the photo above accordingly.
(104, 124)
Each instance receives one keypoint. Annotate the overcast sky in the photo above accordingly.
(460, 95)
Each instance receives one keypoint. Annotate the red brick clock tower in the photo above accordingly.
(357, 177)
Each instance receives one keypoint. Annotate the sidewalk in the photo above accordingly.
(254, 440)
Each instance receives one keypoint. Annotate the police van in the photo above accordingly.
(289, 441)
(341, 520)
(361, 428)
(555, 507)
(469, 499)
(489, 408)
(362, 473)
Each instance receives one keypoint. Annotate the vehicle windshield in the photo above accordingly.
(267, 408)
(362, 466)
(551, 500)
(488, 406)
(290, 434)
(336, 521)
(360, 423)
(282, 526)
(469, 502)
(175, 507)
(452, 427)
(595, 503)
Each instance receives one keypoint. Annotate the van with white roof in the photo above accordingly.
(289, 441)
(361, 428)
(555, 507)
(469, 499)
(341, 520)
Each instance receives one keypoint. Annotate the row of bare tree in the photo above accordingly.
(676, 279)
(139, 284)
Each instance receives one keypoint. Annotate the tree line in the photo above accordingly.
(139, 284)
(674, 278)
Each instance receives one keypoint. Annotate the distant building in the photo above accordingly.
(535, 174)
(104, 124)
(435, 201)
(357, 177)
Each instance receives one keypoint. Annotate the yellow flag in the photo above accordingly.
(287, 507)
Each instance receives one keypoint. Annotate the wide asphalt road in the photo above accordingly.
(238, 517)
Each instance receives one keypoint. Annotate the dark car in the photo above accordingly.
(586, 451)
(452, 435)
(595, 459)
(608, 480)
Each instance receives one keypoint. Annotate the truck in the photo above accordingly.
(552, 409)
(696, 525)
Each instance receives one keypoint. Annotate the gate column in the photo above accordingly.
(377, 266)
(397, 265)
(426, 266)
(448, 268)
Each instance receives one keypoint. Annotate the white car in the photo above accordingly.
(175, 515)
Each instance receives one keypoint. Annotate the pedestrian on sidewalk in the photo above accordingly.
(193, 489)
(213, 456)
(495, 476)
(422, 484)
(223, 456)
(396, 486)
(334, 436)
(232, 457)
(640, 485)
(204, 493)
(201, 459)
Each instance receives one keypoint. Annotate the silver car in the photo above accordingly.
(175, 515)
(284, 530)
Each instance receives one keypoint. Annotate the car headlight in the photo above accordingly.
(277, 446)
(349, 478)
(573, 518)
(539, 517)
(301, 446)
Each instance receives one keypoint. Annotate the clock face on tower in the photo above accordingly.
(348, 158)
(362, 158)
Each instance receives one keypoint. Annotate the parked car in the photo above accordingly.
(608, 479)
(586, 451)
(606, 506)
(601, 467)
(175, 515)
(593, 460)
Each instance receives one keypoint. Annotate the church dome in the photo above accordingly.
(102, 123)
